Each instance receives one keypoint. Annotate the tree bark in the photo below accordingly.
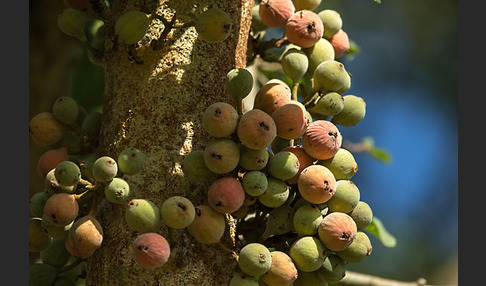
(153, 101)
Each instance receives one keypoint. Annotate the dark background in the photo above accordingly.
(407, 71)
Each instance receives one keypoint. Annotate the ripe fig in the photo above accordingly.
(340, 43)
(322, 140)
(45, 130)
(271, 96)
(316, 184)
(50, 159)
(150, 250)
(256, 129)
(61, 209)
(220, 119)
(226, 195)
(291, 120)
(282, 272)
(208, 225)
(304, 161)
(84, 237)
(304, 28)
(275, 13)
(336, 231)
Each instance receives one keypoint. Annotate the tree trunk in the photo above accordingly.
(153, 101)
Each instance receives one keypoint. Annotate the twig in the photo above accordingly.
(359, 279)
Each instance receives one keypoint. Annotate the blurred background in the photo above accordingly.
(406, 71)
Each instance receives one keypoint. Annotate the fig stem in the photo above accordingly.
(70, 266)
(295, 89)
(94, 203)
(172, 239)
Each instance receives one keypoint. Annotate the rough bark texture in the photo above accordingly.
(156, 106)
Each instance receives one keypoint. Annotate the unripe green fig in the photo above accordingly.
(52, 186)
(226, 195)
(150, 250)
(336, 231)
(333, 269)
(67, 173)
(131, 26)
(304, 161)
(331, 75)
(55, 231)
(322, 139)
(282, 272)
(307, 219)
(253, 160)
(37, 202)
(242, 279)
(283, 165)
(328, 104)
(332, 22)
(41, 274)
(362, 215)
(71, 22)
(84, 237)
(195, 169)
(306, 4)
(345, 198)
(358, 250)
(275, 13)
(213, 25)
(104, 169)
(316, 184)
(254, 183)
(309, 278)
(92, 123)
(63, 280)
(208, 225)
(117, 191)
(142, 216)
(321, 51)
(220, 119)
(177, 212)
(254, 259)
(279, 221)
(256, 129)
(276, 194)
(294, 64)
(65, 109)
(304, 28)
(342, 164)
(291, 120)
(131, 160)
(55, 253)
(38, 238)
(353, 112)
(239, 83)
(308, 253)
(61, 209)
(279, 143)
(221, 155)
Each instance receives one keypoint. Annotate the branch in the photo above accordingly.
(359, 279)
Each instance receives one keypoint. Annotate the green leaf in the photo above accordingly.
(378, 1)
(380, 154)
(377, 229)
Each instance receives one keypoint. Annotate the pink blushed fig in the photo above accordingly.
(291, 120)
(271, 96)
(316, 184)
(321, 139)
(304, 28)
(275, 13)
(50, 159)
(151, 250)
(340, 43)
(337, 231)
(61, 209)
(226, 195)
(256, 129)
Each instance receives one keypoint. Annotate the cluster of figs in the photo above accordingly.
(277, 171)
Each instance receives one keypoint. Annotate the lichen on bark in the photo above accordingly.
(155, 104)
